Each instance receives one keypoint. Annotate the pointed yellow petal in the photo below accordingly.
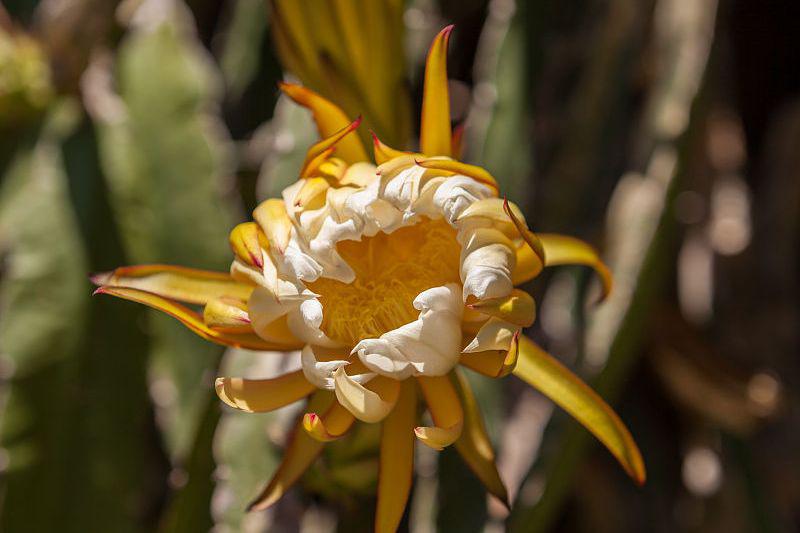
(192, 320)
(329, 119)
(382, 152)
(327, 143)
(311, 167)
(530, 238)
(445, 409)
(479, 174)
(493, 210)
(474, 445)
(246, 241)
(228, 315)
(435, 122)
(563, 250)
(272, 217)
(329, 426)
(190, 285)
(494, 363)
(528, 265)
(263, 395)
(396, 461)
(544, 373)
(495, 334)
(517, 308)
(299, 454)
(370, 403)
(312, 189)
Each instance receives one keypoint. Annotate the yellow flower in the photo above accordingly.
(386, 278)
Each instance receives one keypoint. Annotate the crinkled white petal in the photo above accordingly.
(301, 323)
(429, 345)
(263, 308)
(456, 193)
(495, 334)
(487, 260)
(320, 373)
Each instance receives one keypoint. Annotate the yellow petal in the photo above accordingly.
(272, 217)
(263, 395)
(528, 265)
(246, 241)
(370, 403)
(312, 188)
(544, 373)
(435, 122)
(445, 409)
(474, 445)
(563, 250)
(530, 238)
(517, 308)
(189, 285)
(329, 119)
(396, 461)
(299, 454)
(493, 210)
(228, 315)
(382, 152)
(311, 166)
(496, 334)
(479, 174)
(327, 143)
(192, 320)
(494, 363)
(331, 425)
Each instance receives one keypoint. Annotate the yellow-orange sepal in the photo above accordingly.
(371, 403)
(564, 250)
(271, 215)
(247, 240)
(322, 147)
(263, 395)
(445, 409)
(192, 320)
(494, 363)
(383, 152)
(544, 373)
(329, 426)
(396, 460)
(228, 315)
(435, 134)
(518, 308)
(329, 119)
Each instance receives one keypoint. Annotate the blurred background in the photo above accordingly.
(666, 132)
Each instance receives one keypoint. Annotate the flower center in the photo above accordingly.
(391, 270)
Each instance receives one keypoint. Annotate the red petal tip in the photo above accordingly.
(99, 290)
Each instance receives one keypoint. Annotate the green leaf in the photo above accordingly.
(165, 153)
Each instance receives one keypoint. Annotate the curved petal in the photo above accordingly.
(544, 373)
(563, 250)
(329, 426)
(494, 363)
(328, 142)
(477, 173)
(329, 119)
(300, 452)
(192, 320)
(396, 461)
(383, 152)
(496, 334)
(445, 409)
(263, 395)
(435, 123)
(529, 265)
(247, 241)
(370, 403)
(474, 445)
(517, 308)
(190, 285)
(271, 215)
(228, 315)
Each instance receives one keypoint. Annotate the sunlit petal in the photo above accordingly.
(370, 403)
(564, 250)
(435, 123)
(445, 409)
(263, 395)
